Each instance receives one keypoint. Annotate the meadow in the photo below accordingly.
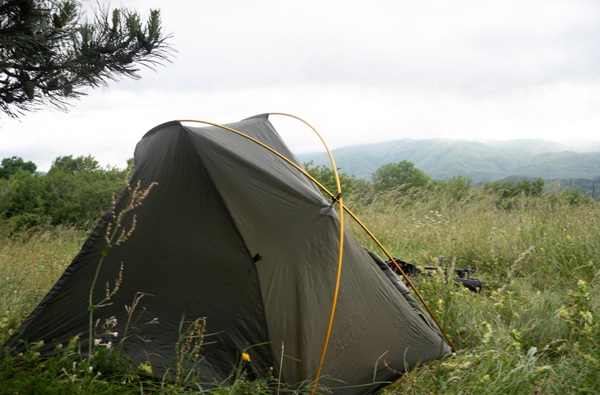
(532, 330)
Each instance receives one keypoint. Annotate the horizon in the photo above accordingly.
(570, 145)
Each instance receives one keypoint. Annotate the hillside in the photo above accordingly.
(482, 161)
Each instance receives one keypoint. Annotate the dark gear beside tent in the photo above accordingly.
(234, 235)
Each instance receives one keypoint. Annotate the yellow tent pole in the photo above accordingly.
(338, 199)
(372, 236)
(342, 208)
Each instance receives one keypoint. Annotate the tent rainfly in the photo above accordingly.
(240, 242)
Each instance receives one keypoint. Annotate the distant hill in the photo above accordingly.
(482, 161)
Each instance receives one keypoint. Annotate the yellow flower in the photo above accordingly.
(564, 314)
(245, 357)
(145, 367)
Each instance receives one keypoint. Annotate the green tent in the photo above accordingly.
(236, 236)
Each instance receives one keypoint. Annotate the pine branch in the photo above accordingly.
(48, 57)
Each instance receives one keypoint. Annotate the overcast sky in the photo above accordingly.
(358, 71)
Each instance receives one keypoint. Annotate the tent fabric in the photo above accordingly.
(236, 235)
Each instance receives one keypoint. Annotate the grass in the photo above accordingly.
(30, 264)
(534, 329)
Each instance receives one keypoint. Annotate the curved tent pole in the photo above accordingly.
(343, 208)
(336, 198)
(372, 236)
(290, 162)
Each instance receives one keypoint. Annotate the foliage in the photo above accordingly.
(403, 174)
(480, 161)
(49, 56)
(511, 188)
(326, 177)
(10, 166)
(507, 192)
(533, 329)
(75, 191)
(66, 372)
(456, 188)
(68, 165)
(119, 229)
(574, 196)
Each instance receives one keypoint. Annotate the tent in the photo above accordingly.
(236, 237)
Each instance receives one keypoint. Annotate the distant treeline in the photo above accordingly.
(76, 191)
(481, 161)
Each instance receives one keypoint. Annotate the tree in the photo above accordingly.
(10, 166)
(403, 173)
(74, 192)
(510, 192)
(326, 177)
(512, 188)
(456, 188)
(81, 164)
(47, 56)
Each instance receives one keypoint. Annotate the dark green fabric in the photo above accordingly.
(235, 234)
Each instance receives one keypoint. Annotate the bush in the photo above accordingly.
(67, 195)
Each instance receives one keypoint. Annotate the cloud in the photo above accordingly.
(446, 45)
(358, 72)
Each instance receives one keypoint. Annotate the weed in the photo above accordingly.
(534, 328)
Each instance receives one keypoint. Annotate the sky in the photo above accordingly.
(359, 72)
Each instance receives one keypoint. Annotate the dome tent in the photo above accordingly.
(236, 236)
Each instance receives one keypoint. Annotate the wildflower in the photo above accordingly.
(246, 357)
(487, 336)
(589, 358)
(587, 316)
(564, 314)
(110, 322)
(543, 369)
(145, 367)
(97, 342)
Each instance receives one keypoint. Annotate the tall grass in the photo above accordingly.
(534, 328)
(30, 264)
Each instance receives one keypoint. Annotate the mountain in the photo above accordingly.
(482, 161)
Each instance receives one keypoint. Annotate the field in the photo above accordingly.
(533, 330)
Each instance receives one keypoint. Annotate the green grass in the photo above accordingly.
(533, 330)
(30, 264)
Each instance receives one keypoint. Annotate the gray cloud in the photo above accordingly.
(469, 45)
(359, 71)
